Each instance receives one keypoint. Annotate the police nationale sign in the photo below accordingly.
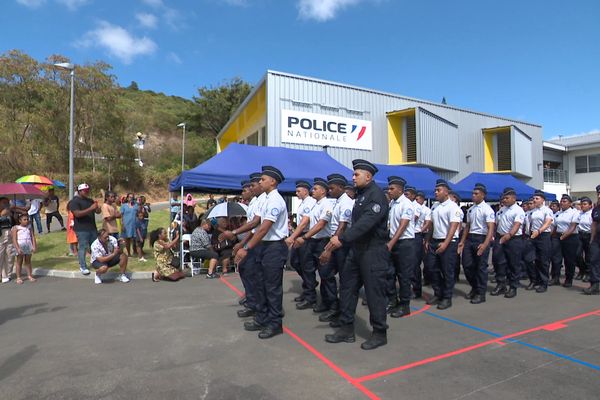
(325, 130)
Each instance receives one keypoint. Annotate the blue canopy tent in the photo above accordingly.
(422, 178)
(496, 182)
(223, 172)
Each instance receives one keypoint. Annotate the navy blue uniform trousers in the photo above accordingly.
(509, 270)
(270, 262)
(442, 268)
(475, 266)
(403, 259)
(569, 248)
(247, 268)
(542, 244)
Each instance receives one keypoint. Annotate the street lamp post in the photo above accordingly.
(70, 67)
(182, 125)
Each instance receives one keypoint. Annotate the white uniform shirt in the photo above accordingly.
(323, 210)
(585, 221)
(527, 224)
(342, 212)
(259, 203)
(401, 208)
(507, 217)
(275, 210)
(565, 218)
(478, 217)
(422, 214)
(304, 209)
(444, 214)
(538, 216)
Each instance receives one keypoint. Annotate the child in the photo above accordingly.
(25, 245)
(141, 231)
(71, 236)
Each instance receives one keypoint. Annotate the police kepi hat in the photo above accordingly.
(409, 188)
(508, 191)
(481, 187)
(442, 182)
(396, 180)
(566, 196)
(321, 182)
(421, 194)
(365, 166)
(349, 187)
(273, 173)
(453, 193)
(245, 183)
(303, 184)
(255, 177)
(337, 179)
(540, 194)
(585, 199)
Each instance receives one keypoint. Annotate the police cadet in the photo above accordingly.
(567, 220)
(442, 245)
(556, 257)
(402, 242)
(316, 239)
(510, 244)
(540, 224)
(307, 202)
(475, 244)
(350, 191)
(528, 255)
(585, 234)
(422, 225)
(367, 261)
(595, 250)
(247, 267)
(271, 256)
(333, 261)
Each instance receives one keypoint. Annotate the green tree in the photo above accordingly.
(216, 105)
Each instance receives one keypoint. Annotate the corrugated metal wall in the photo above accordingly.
(437, 141)
(309, 95)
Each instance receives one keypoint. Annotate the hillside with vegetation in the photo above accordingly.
(34, 124)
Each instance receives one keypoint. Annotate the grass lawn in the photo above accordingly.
(53, 249)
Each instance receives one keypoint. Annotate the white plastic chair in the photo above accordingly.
(186, 254)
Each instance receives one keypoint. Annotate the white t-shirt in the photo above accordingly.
(35, 204)
(442, 216)
(275, 210)
(478, 217)
(401, 208)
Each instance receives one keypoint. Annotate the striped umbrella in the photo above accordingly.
(35, 179)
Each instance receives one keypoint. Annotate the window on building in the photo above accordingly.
(253, 139)
(581, 164)
(594, 163)
(263, 136)
(411, 139)
(507, 149)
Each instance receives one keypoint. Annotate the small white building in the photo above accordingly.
(572, 165)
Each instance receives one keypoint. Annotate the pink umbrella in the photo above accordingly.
(20, 191)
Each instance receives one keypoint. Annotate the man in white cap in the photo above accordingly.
(83, 209)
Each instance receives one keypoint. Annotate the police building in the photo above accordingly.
(350, 122)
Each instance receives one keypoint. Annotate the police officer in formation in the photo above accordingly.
(556, 256)
(271, 255)
(475, 244)
(307, 202)
(442, 246)
(361, 239)
(367, 262)
(509, 245)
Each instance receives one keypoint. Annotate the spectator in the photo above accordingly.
(106, 253)
(71, 236)
(141, 231)
(51, 205)
(190, 220)
(83, 209)
(164, 256)
(211, 202)
(223, 248)
(35, 206)
(6, 247)
(128, 212)
(142, 205)
(24, 243)
(110, 215)
(175, 206)
(200, 247)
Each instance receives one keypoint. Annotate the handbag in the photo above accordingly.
(175, 262)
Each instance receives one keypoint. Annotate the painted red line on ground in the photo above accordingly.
(316, 353)
(419, 311)
(468, 349)
(554, 327)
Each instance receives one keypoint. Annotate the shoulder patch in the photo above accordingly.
(275, 212)
(376, 208)
(348, 213)
(458, 213)
(306, 210)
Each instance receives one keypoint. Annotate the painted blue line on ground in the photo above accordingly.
(516, 341)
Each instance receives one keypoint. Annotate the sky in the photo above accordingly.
(532, 60)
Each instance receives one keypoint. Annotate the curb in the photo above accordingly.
(57, 273)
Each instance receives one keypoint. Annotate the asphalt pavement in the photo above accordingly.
(71, 339)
